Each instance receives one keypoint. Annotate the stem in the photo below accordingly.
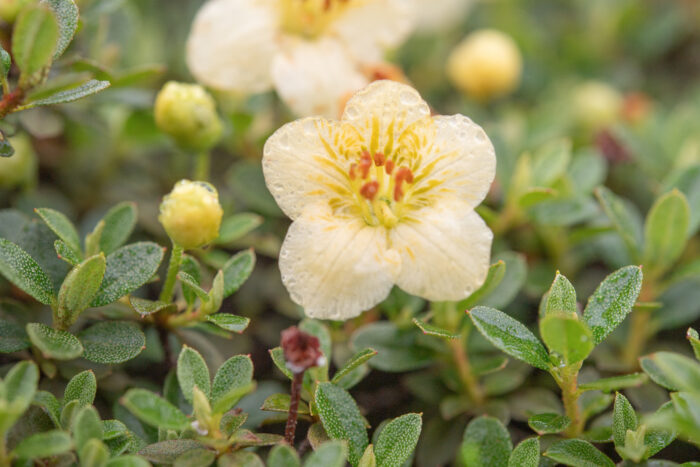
(4, 459)
(568, 382)
(291, 428)
(464, 368)
(166, 294)
(202, 164)
(11, 101)
(636, 338)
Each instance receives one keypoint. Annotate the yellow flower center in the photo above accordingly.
(379, 188)
(310, 18)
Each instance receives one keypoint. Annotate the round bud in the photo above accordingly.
(486, 64)
(597, 105)
(187, 113)
(191, 214)
(20, 168)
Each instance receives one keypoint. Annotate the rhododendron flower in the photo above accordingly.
(384, 196)
(310, 51)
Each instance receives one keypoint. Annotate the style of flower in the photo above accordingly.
(384, 196)
(313, 52)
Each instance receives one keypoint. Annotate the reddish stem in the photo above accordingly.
(291, 428)
(10, 101)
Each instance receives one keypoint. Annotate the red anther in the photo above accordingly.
(404, 173)
(365, 164)
(352, 173)
(379, 159)
(389, 167)
(369, 190)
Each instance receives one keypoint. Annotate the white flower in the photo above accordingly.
(436, 15)
(310, 51)
(384, 196)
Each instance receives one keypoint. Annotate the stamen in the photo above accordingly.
(389, 167)
(404, 174)
(353, 174)
(379, 159)
(369, 190)
(365, 164)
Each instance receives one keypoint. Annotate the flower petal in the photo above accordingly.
(232, 43)
(372, 27)
(336, 268)
(437, 15)
(315, 78)
(457, 159)
(306, 161)
(383, 111)
(445, 252)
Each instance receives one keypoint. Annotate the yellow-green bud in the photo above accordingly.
(597, 105)
(486, 64)
(187, 113)
(20, 168)
(9, 9)
(191, 214)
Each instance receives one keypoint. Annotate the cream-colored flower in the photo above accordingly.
(436, 15)
(384, 196)
(310, 51)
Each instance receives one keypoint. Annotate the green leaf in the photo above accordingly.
(86, 426)
(578, 453)
(624, 418)
(234, 227)
(13, 337)
(112, 342)
(398, 440)
(283, 456)
(510, 336)
(199, 457)
(234, 373)
(229, 322)
(128, 268)
(525, 454)
(79, 288)
(280, 403)
(612, 301)
(547, 423)
(691, 335)
(550, 161)
(21, 269)
(165, 452)
(368, 459)
(82, 387)
(534, 196)
(66, 13)
(54, 343)
(342, 419)
(665, 231)
(94, 453)
(561, 297)
(154, 410)
(46, 444)
(65, 253)
(277, 356)
(430, 330)
(148, 307)
(50, 405)
(5, 62)
(92, 240)
(672, 371)
(231, 398)
(192, 371)
(72, 94)
(62, 227)
(397, 349)
(513, 280)
(237, 270)
(190, 266)
(615, 383)
(215, 295)
(494, 277)
(20, 385)
(627, 225)
(34, 40)
(486, 443)
(128, 461)
(119, 223)
(329, 454)
(355, 361)
(193, 285)
(566, 335)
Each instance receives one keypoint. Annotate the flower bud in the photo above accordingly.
(20, 168)
(486, 64)
(597, 105)
(188, 114)
(191, 214)
(301, 350)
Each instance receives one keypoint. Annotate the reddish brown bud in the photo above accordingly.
(301, 350)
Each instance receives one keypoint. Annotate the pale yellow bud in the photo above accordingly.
(486, 64)
(597, 105)
(20, 168)
(187, 113)
(191, 214)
